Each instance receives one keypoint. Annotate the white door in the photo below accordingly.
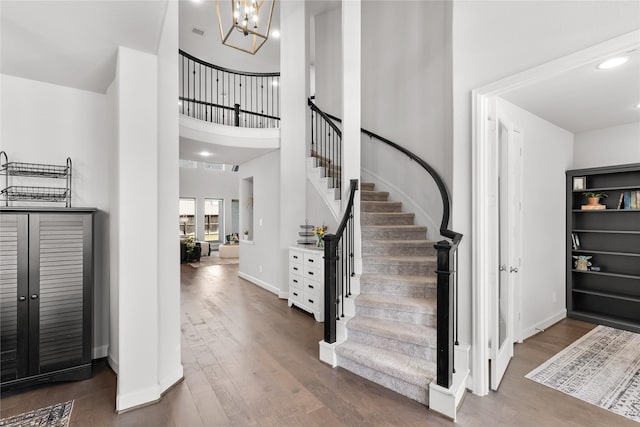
(505, 316)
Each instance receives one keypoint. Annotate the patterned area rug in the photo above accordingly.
(52, 416)
(213, 259)
(602, 368)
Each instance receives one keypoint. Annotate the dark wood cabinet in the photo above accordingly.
(608, 292)
(46, 295)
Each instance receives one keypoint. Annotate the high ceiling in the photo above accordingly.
(586, 98)
(208, 47)
(74, 43)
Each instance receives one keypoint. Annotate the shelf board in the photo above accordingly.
(607, 295)
(606, 210)
(596, 190)
(604, 273)
(593, 317)
(586, 251)
(608, 231)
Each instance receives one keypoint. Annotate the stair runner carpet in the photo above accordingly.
(392, 338)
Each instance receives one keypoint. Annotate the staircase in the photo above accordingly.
(391, 340)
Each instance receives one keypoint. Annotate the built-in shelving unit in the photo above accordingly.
(610, 296)
(33, 193)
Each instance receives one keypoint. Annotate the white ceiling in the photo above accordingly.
(74, 43)
(230, 155)
(202, 15)
(586, 98)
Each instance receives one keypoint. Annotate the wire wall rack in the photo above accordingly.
(31, 193)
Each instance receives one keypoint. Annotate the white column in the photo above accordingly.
(351, 64)
(293, 110)
(169, 358)
(137, 228)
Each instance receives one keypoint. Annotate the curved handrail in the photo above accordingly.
(348, 210)
(227, 70)
(444, 193)
(327, 117)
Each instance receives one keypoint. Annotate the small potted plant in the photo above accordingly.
(246, 234)
(582, 262)
(594, 198)
(319, 233)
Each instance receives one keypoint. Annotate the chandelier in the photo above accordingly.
(244, 24)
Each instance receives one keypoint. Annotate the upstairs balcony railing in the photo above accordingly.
(229, 97)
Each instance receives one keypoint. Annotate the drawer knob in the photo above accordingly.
(310, 260)
(295, 268)
(311, 273)
(295, 280)
(311, 286)
(311, 301)
(295, 294)
(295, 257)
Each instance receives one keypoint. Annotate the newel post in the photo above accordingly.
(444, 352)
(330, 291)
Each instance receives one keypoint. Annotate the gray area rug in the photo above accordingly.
(57, 415)
(602, 368)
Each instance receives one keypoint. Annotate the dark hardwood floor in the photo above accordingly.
(251, 360)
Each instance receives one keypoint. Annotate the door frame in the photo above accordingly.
(481, 159)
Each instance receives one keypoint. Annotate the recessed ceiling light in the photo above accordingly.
(204, 153)
(612, 62)
(275, 34)
(638, 106)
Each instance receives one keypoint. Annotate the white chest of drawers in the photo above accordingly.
(306, 280)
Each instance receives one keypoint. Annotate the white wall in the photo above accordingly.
(201, 183)
(495, 39)
(46, 123)
(260, 262)
(542, 272)
(328, 61)
(317, 211)
(169, 358)
(617, 145)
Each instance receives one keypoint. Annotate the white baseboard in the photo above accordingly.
(328, 353)
(172, 379)
(283, 295)
(262, 284)
(100, 352)
(541, 326)
(136, 399)
(113, 363)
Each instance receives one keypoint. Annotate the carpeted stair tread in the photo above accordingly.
(400, 331)
(394, 227)
(382, 218)
(376, 206)
(371, 196)
(399, 259)
(409, 280)
(399, 303)
(405, 243)
(411, 370)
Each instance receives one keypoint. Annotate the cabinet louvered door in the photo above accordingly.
(13, 302)
(60, 265)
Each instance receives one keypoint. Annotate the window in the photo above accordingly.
(187, 217)
(212, 220)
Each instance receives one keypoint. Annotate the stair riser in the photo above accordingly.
(386, 234)
(397, 315)
(386, 219)
(367, 186)
(373, 196)
(417, 269)
(410, 349)
(399, 386)
(380, 207)
(370, 248)
(422, 291)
